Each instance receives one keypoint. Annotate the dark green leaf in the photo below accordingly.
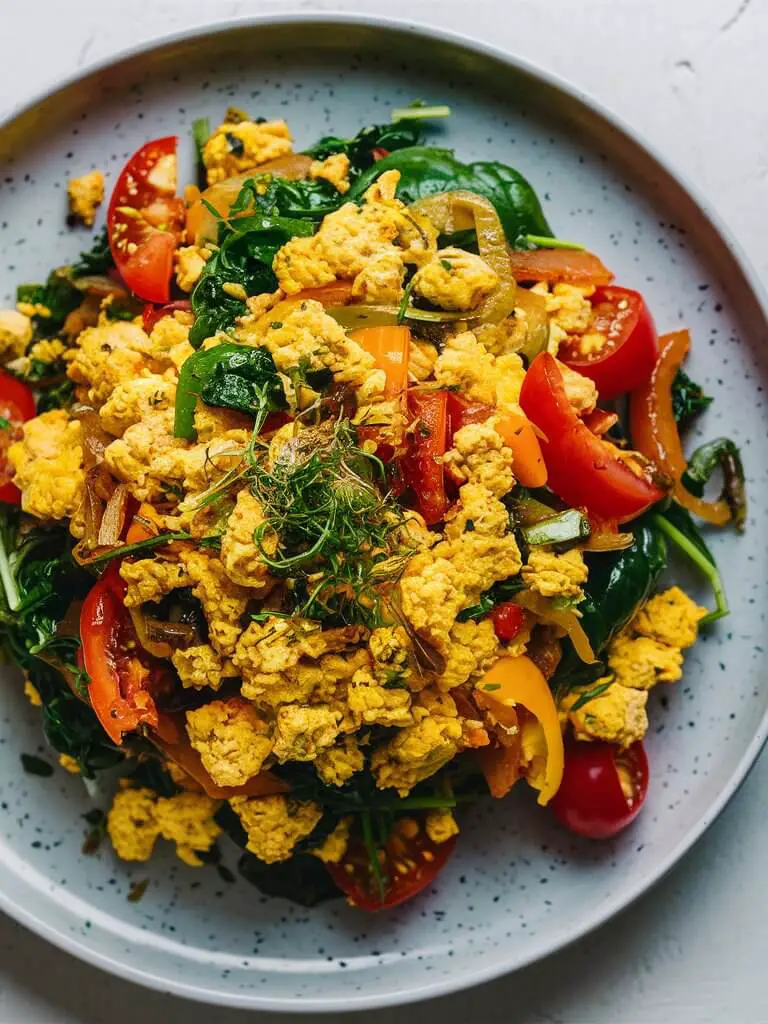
(688, 399)
(721, 453)
(498, 593)
(33, 765)
(59, 297)
(97, 260)
(619, 583)
(589, 695)
(360, 148)
(427, 171)
(303, 879)
(151, 774)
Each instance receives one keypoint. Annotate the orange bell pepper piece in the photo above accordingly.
(514, 682)
(390, 347)
(519, 435)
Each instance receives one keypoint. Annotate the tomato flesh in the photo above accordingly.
(591, 800)
(121, 681)
(145, 220)
(17, 405)
(582, 469)
(151, 313)
(408, 866)
(632, 347)
(508, 619)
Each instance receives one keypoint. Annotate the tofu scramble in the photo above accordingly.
(319, 517)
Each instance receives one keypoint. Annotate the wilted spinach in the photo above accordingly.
(361, 147)
(688, 399)
(426, 171)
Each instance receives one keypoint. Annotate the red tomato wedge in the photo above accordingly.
(629, 356)
(409, 864)
(603, 788)
(422, 470)
(583, 470)
(145, 220)
(574, 266)
(17, 405)
(122, 685)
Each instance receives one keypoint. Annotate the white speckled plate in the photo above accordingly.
(518, 887)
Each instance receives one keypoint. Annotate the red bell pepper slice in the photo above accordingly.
(120, 681)
(630, 353)
(422, 469)
(583, 470)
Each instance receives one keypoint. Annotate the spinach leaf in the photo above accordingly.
(724, 453)
(245, 380)
(505, 590)
(426, 171)
(303, 879)
(57, 298)
(39, 581)
(230, 376)
(247, 248)
(678, 525)
(151, 774)
(34, 765)
(278, 197)
(688, 399)
(360, 148)
(619, 583)
(97, 260)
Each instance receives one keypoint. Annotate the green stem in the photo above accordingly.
(12, 596)
(373, 853)
(141, 545)
(698, 558)
(420, 113)
(545, 242)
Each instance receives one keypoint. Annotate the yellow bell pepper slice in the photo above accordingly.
(518, 681)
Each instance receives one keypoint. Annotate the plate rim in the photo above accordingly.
(474, 976)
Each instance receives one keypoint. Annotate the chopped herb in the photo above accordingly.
(120, 550)
(4, 423)
(489, 687)
(137, 891)
(276, 325)
(589, 695)
(498, 593)
(33, 765)
(446, 265)
(97, 819)
(97, 260)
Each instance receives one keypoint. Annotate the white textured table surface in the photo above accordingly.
(690, 74)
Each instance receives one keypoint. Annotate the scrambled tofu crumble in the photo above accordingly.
(310, 509)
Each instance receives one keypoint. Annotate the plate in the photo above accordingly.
(518, 887)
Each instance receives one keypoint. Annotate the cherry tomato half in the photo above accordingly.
(629, 355)
(603, 788)
(145, 219)
(151, 313)
(409, 864)
(17, 405)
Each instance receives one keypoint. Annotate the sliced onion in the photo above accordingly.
(459, 210)
(354, 316)
(203, 226)
(100, 286)
(113, 520)
(608, 541)
(536, 322)
(159, 637)
(565, 618)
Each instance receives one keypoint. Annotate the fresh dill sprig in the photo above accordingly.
(329, 527)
